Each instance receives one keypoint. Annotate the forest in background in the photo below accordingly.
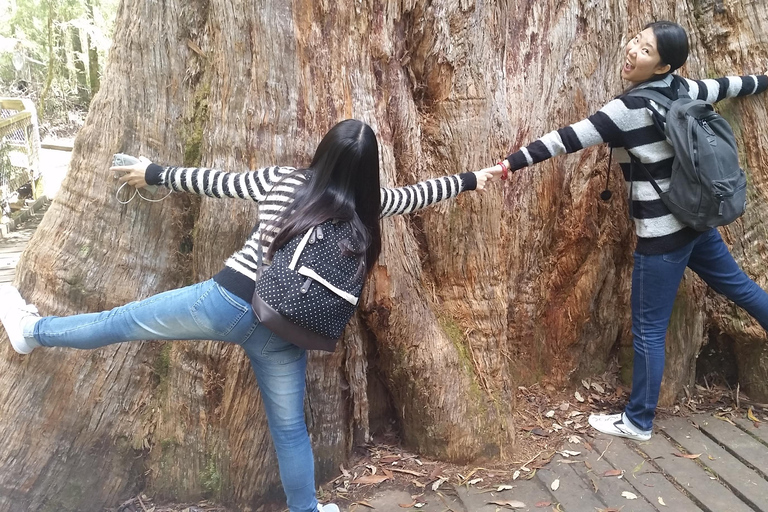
(53, 52)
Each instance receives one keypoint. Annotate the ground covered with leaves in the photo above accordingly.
(546, 420)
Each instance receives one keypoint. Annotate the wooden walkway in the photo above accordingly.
(700, 463)
(13, 245)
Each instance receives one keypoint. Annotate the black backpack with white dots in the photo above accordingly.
(312, 287)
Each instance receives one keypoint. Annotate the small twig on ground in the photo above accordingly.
(606, 449)
(141, 503)
(533, 459)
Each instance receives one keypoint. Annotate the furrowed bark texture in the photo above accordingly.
(471, 298)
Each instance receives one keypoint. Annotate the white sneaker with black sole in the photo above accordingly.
(15, 314)
(618, 425)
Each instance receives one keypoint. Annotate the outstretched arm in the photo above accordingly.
(400, 200)
(713, 90)
(253, 185)
(606, 125)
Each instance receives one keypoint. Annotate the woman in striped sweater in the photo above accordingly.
(664, 245)
(342, 182)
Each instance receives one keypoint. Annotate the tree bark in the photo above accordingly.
(470, 299)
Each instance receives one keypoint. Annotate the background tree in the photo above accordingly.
(469, 300)
(59, 43)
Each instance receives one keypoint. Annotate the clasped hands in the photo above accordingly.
(491, 173)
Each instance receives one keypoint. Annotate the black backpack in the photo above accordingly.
(708, 188)
(312, 288)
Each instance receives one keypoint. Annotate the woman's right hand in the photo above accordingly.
(134, 174)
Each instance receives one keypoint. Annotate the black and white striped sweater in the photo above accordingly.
(627, 124)
(239, 272)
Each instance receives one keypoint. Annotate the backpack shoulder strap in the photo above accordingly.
(635, 160)
(652, 95)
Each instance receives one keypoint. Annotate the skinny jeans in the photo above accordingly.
(655, 280)
(207, 311)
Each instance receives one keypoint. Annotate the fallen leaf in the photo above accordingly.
(550, 414)
(474, 481)
(419, 505)
(576, 413)
(504, 487)
(578, 396)
(564, 406)
(629, 495)
(571, 453)
(438, 483)
(407, 505)
(555, 485)
(751, 415)
(390, 458)
(661, 502)
(539, 432)
(510, 504)
(370, 479)
(556, 426)
(687, 455)
(516, 475)
(530, 475)
(597, 387)
(574, 439)
(613, 472)
(406, 471)
(585, 384)
(543, 504)
(364, 503)
(418, 484)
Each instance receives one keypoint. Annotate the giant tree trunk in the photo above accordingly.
(470, 298)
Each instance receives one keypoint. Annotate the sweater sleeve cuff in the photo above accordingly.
(517, 161)
(153, 175)
(469, 179)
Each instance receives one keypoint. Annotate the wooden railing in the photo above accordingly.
(19, 144)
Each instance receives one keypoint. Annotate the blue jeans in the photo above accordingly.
(206, 311)
(655, 281)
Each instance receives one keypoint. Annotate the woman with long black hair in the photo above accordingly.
(341, 184)
(665, 246)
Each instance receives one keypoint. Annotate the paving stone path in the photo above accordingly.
(728, 474)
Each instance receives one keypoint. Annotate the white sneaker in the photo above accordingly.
(14, 314)
(618, 425)
(328, 507)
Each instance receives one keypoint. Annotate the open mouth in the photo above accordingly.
(628, 67)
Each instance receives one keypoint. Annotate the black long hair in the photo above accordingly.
(671, 43)
(342, 184)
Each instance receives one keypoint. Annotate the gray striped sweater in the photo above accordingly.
(627, 125)
(272, 197)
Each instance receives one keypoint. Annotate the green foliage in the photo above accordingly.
(41, 36)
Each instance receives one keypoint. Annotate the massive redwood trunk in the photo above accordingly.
(470, 299)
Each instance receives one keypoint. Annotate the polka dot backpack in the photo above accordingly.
(310, 291)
